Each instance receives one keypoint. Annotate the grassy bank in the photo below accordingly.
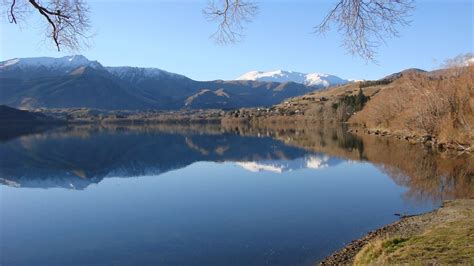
(444, 236)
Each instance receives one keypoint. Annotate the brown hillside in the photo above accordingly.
(439, 106)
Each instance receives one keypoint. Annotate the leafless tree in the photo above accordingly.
(67, 21)
(460, 61)
(231, 16)
(365, 24)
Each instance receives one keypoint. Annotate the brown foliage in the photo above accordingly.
(437, 104)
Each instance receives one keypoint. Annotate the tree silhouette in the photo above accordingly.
(67, 20)
(365, 24)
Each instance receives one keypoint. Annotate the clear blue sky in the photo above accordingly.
(174, 36)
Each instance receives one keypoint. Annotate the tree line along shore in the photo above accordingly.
(434, 108)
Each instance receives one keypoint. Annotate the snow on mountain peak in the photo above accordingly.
(65, 62)
(77, 64)
(141, 72)
(309, 79)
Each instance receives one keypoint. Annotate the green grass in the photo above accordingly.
(448, 243)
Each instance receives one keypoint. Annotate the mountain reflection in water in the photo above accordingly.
(208, 195)
(75, 157)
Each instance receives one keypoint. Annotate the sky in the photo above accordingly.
(175, 36)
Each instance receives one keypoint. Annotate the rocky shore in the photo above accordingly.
(416, 234)
(426, 140)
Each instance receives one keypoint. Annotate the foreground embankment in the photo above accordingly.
(443, 236)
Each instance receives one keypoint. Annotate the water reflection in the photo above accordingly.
(427, 174)
(208, 195)
(75, 157)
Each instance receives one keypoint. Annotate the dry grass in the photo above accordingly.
(440, 105)
(449, 241)
(322, 106)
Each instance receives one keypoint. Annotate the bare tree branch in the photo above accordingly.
(231, 16)
(365, 24)
(12, 13)
(67, 21)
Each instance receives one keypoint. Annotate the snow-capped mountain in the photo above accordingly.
(308, 79)
(137, 73)
(80, 82)
(65, 64)
(71, 64)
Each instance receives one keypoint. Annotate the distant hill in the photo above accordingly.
(76, 82)
(400, 74)
(10, 115)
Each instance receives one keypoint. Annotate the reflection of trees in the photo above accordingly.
(427, 175)
(433, 178)
(135, 150)
(331, 139)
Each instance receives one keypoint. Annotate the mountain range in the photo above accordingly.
(76, 82)
(309, 79)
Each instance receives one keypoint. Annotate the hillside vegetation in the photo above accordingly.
(436, 107)
(439, 106)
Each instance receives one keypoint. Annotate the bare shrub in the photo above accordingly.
(384, 108)
(437, 104)
(344, 111)
(441, 105)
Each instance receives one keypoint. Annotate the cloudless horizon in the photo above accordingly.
(175, 36)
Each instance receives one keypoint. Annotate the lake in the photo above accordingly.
(208, 195)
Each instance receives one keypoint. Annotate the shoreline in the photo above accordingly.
(250, 117)
(405, 228)
(426, 140)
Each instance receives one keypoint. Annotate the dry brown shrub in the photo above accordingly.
(438, 104)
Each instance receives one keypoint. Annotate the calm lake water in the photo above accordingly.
(206, 195)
